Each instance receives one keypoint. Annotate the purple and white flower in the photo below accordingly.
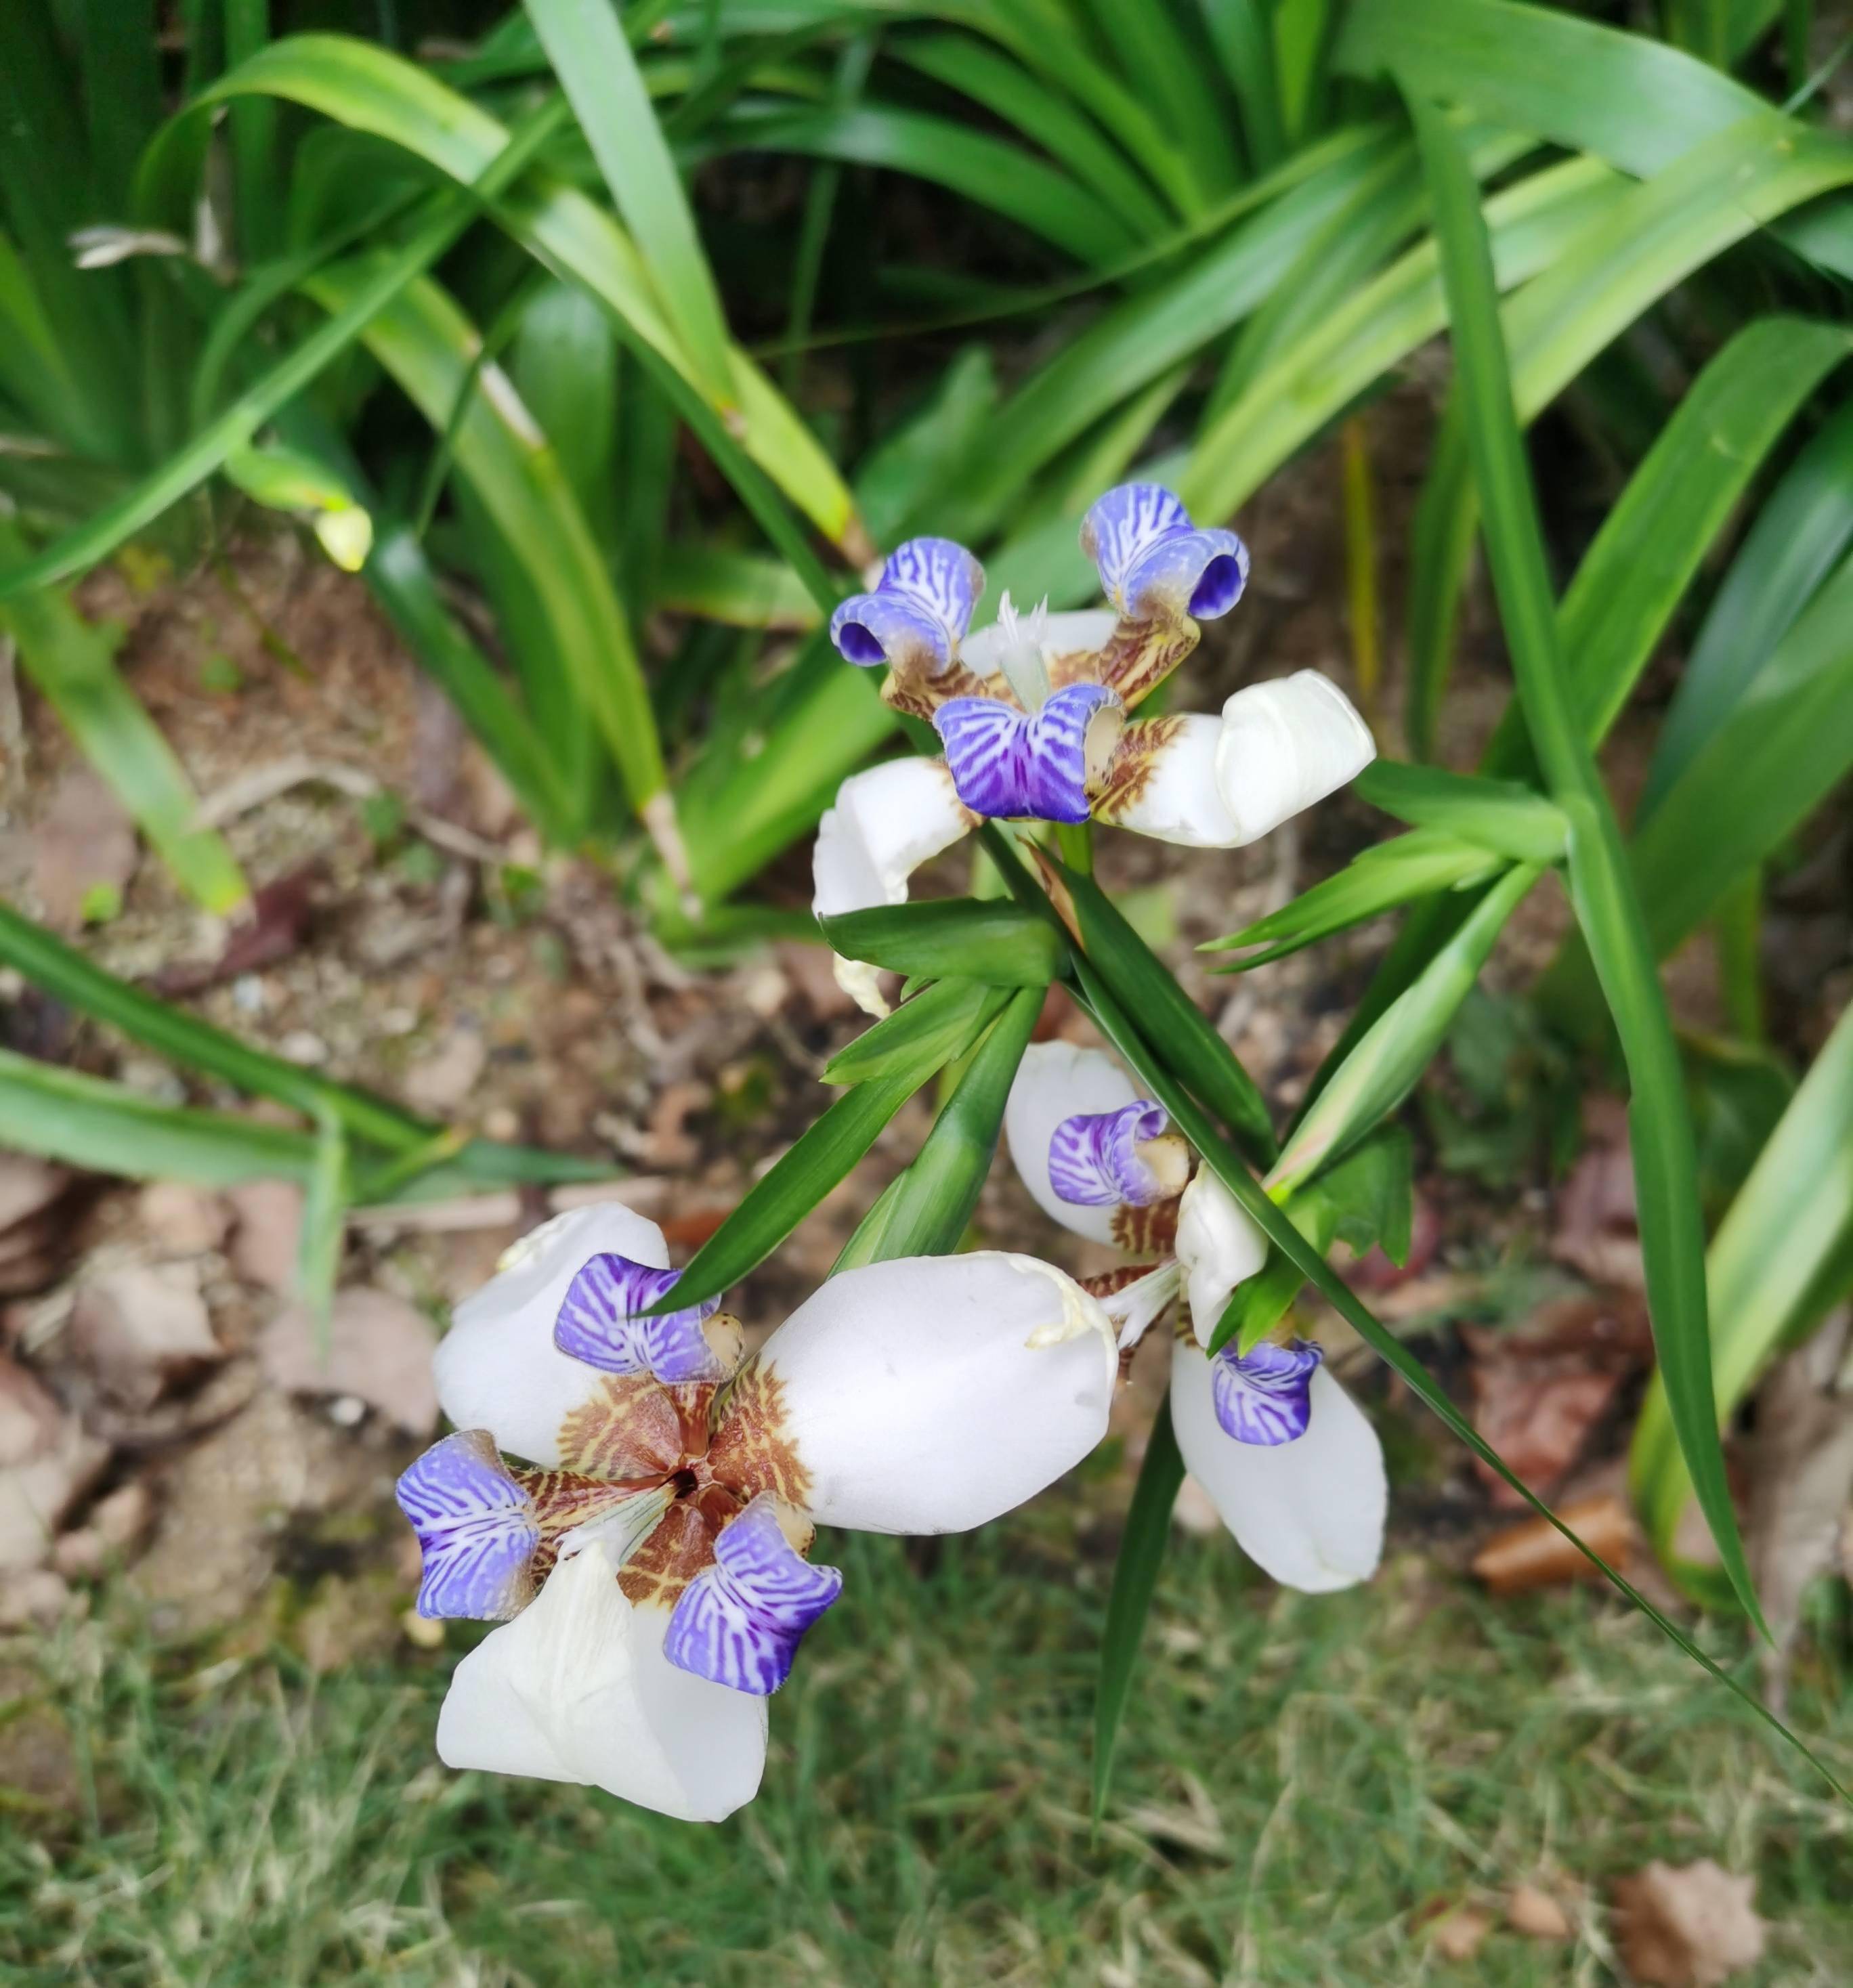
(1035, 711)
(649, 1557)
(1291, 1464)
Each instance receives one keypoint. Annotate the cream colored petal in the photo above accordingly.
(1164, 783)
(1081, 633)
(498, 1367)
(1285, 744)
(1310, 1513)
(577, 1689)
(930, 1393)
(1055, 1081)
(1219, 1244)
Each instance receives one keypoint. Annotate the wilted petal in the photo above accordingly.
(1054, 1082)
(1220, 783)
(1219, 1244)
(1264, 1396)
(1155, 563)
(599, 1323)
(1310, 1513)
(577, 1689)
(476, 1529)
(917, 615)
(498, 1367)
(1007, 763)
(930, 1394)
(740, 1621)
(887, 822)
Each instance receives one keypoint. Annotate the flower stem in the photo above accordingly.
(1075, 840)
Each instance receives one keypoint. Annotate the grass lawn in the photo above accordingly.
(1302, 1785)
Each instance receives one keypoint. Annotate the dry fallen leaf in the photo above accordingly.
(378, 1348)
(1597, 1226)
(33, 1222)
(184, 1220)
(269, 1222)
(83, 844)
(47, 1463)
(1801, 1483)
(1687, 1925)
(143, 1329)
(1534, 1911)
(439, 1083)
(273, 926)
(1535, 1554)
(1458, 1933)
(1540, 1390)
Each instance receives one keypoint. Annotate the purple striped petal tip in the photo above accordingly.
(1153, 561)
(1264, 1396)
(1094, 1161)
(739, 1622)
(917, 615)
(476, 1529)
(598, 1323)
(1007, 763)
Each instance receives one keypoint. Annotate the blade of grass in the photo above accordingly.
(593, 60)
(1135, 1580)
(73, 663)
(989, 940)
(429, 346)
(87, 1122)
(445, 219)
(1799, 534)
(325, 1200)
(253, 122)
(1601, 886)
(1625, 98)
(1783, 1254)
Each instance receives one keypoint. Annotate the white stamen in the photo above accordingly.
(1025, 662)
(621, 1529)
(1134, 1305)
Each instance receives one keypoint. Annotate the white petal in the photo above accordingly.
(1310, 1513)
(1054, 1081)
(930, 1393)
(1177, 800)
(1220, 1243)
(577, 1689)
(498, 1367)
(887, 822)
(1286, 745)
(1083, 632)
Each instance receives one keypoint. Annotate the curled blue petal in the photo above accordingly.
(1154, 561)
(476, 1529)
(739, 1621)
(1094, 1161)
(917, 617)
(598, 1323)
(1004, 763)
(1264, 1396)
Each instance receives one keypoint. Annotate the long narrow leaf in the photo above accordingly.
(592, 58)
(1135, 1580)
(1665, 1164)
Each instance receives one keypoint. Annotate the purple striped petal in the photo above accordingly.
(1264, 1396)
(1004, 763)
(1153, 561)
(1093, 1157)
(918, 613)
(598, 1323)
(476, 1529)
(739, 1621)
